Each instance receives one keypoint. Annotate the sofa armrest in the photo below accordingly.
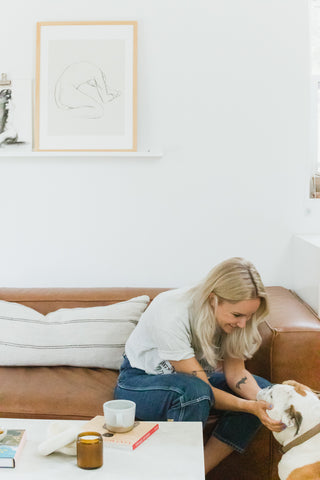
(291, 341)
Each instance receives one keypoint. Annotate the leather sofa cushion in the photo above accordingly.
(55, 392)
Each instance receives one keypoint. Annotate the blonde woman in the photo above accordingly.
(185, 335)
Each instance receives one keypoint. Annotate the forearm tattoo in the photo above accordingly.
(243, 380)
(195, 372)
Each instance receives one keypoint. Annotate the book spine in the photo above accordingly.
(145, 436)
(20, 448)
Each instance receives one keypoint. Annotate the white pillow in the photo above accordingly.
(80, 337)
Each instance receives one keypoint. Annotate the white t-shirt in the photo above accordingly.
(162, 334)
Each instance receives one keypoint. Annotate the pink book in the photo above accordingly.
(129, 440)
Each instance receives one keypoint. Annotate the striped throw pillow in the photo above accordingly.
(80, 337)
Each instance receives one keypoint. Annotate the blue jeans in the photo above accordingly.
(183, 397)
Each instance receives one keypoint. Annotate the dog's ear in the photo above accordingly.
(295, 416)
(299, 387)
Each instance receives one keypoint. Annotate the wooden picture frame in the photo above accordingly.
(86, 86)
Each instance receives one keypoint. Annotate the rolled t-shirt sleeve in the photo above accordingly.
(176, 352)
(171, 334)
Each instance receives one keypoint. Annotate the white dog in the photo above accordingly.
(299, 409)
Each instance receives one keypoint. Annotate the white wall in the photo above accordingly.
(306, 269)
(223, 92)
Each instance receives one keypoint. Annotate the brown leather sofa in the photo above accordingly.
(290, 350)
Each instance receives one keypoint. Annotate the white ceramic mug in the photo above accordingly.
(119, 415)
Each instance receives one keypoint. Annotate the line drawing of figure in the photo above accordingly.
(8, 133)
(82, 90)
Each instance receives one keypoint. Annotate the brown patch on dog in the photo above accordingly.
(296, 416)
(308, 472)
(299, 387)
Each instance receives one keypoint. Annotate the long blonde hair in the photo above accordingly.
(233, 280)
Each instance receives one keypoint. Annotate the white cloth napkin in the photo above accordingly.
(61, 437)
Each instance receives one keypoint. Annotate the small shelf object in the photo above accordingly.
(4, 81)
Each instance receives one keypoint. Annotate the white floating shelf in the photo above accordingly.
(21, 153)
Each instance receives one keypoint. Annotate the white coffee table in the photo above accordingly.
(174, 452)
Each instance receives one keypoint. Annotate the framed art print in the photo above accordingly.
(86, 86)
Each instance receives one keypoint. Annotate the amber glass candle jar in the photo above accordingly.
(89, 450)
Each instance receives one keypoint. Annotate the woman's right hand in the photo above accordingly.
(260, 410)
